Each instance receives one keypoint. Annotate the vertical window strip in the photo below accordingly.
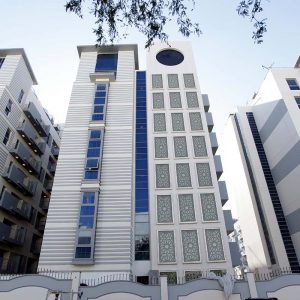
(142, 231)
(1, 61)
(100, 100)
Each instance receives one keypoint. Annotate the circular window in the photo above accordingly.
(170, 57)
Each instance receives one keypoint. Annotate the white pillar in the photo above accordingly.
(164, 288)
(75, 285)
(252, 285)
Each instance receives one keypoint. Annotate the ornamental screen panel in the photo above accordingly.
(157, 81)
(195, 121)
(183, 175)
(189, 81)
(209, 209)
(159, 122)
(175, 100)
(190, 246)
(180, 146)
(214, 245)
(204, 175)
(173, 81)
(177, 122)
(158, 100)
(199, 146)
(186, 208)
(161, 147)
(162, 176)
(164, 209)
(192, 100)
(166, 247)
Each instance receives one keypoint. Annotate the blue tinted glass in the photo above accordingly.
(100, 94)
(141, 194)
(141, 150)
(88, 197)
(141, 184)
(99, 101)
(107, 62)
(84, 240)
(141, 172)
(86, 222)
(87, 210)
(97, 117)
(91, 175)
(101, 87)
(95, 134)
(141, 164)
(98, 109)
(140, 75)
(141, 156)
(83, 252)
(141, 137)
(92, 163)
(141, 114)
(170, 57)
(93, 152)
(94, 144)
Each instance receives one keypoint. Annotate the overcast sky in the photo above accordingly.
(229, 63)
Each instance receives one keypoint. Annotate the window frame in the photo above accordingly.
(293, 86)
(8, 107)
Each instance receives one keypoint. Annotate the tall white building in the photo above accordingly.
(261, 157)
(29, 145)
(136, 188)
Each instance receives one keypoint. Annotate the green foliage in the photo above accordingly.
(151, 16)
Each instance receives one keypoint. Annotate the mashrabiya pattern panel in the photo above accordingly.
(162, 176)
(161, 147)
(192, 275)
(209, 208)
(183, 175)
(175, 100)
(192, 100)
(166, 246)
(189, 81)
(171, 277)
(164, 209)
(180, 146)
(158, 100)
(199, 146)
(214, 245)
(196, 121)
(177, 122)
(159, 122)
(190, 245)
(157, 81)
(186, 208)
(173, 81)
(204, 175)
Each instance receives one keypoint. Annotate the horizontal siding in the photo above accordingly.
(8, 68)
(86, 66)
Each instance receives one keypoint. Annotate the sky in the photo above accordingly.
(229, 64)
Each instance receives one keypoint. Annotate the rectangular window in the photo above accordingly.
(20, 96)
(87, 210)
(83, 252)
(293, 84)
(86, 222)
(99, 103)
(1, 61)
(107, 62)
(6, 136)
(298, 101)
(88, 197)
(8, 107)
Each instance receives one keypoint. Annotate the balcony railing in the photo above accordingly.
(51, 168)
(35, 118)
(18, 179)
(23, 155)
(27, 132)
(15, 206)
(12, 234)
(41, 224)
(48, 185)
(55, 151)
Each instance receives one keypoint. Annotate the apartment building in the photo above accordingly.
(136, 189)
(29, 146)
(261, 156)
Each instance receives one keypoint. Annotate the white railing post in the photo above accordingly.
(164, 288)
(252, 285)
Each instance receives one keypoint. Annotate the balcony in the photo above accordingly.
(41, 224)
(55, 151)
(35, 118)
(228, 221)
(218, 165)
(23, 155)
(12, 234)
(235, 254)
(205, 102)
(27, 132)
(223, 192)
(44, 203)
(209, 120)
(15, 206)
(213, 142)
(19, 180)
(51, 168)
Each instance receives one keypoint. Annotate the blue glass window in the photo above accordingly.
(97, 117)
(88, 210)
(86, 222)
(99, 103)
(83, 252)
(84, 240)
(94, 143)
(293, 84)
(107, 62)
(93, 152)
(90, 175)
(92, 163)
(95, 134)
(88, 197)
(101, 87)
(1, 61)
(170, 57)
(98, 109)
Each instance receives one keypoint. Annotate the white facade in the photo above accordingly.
(117, 213)
(276, 115)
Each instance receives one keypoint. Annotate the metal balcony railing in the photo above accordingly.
(35, 118)
(19, 180)
(15, 206)
(44, 203)
(12, 234)
(23, 155)
(55, 151)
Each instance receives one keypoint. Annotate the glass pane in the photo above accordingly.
(95, 134)
(86, 222)
(93, 152)
(97, 117)
(107, 62)
(100, 94)
(87, 210)
(98, 109)
(88, 197)
(92, 163)
(99, 101)
(91, 174)
(101, 87)
(83, 252)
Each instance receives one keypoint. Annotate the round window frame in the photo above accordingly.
(173, 50)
